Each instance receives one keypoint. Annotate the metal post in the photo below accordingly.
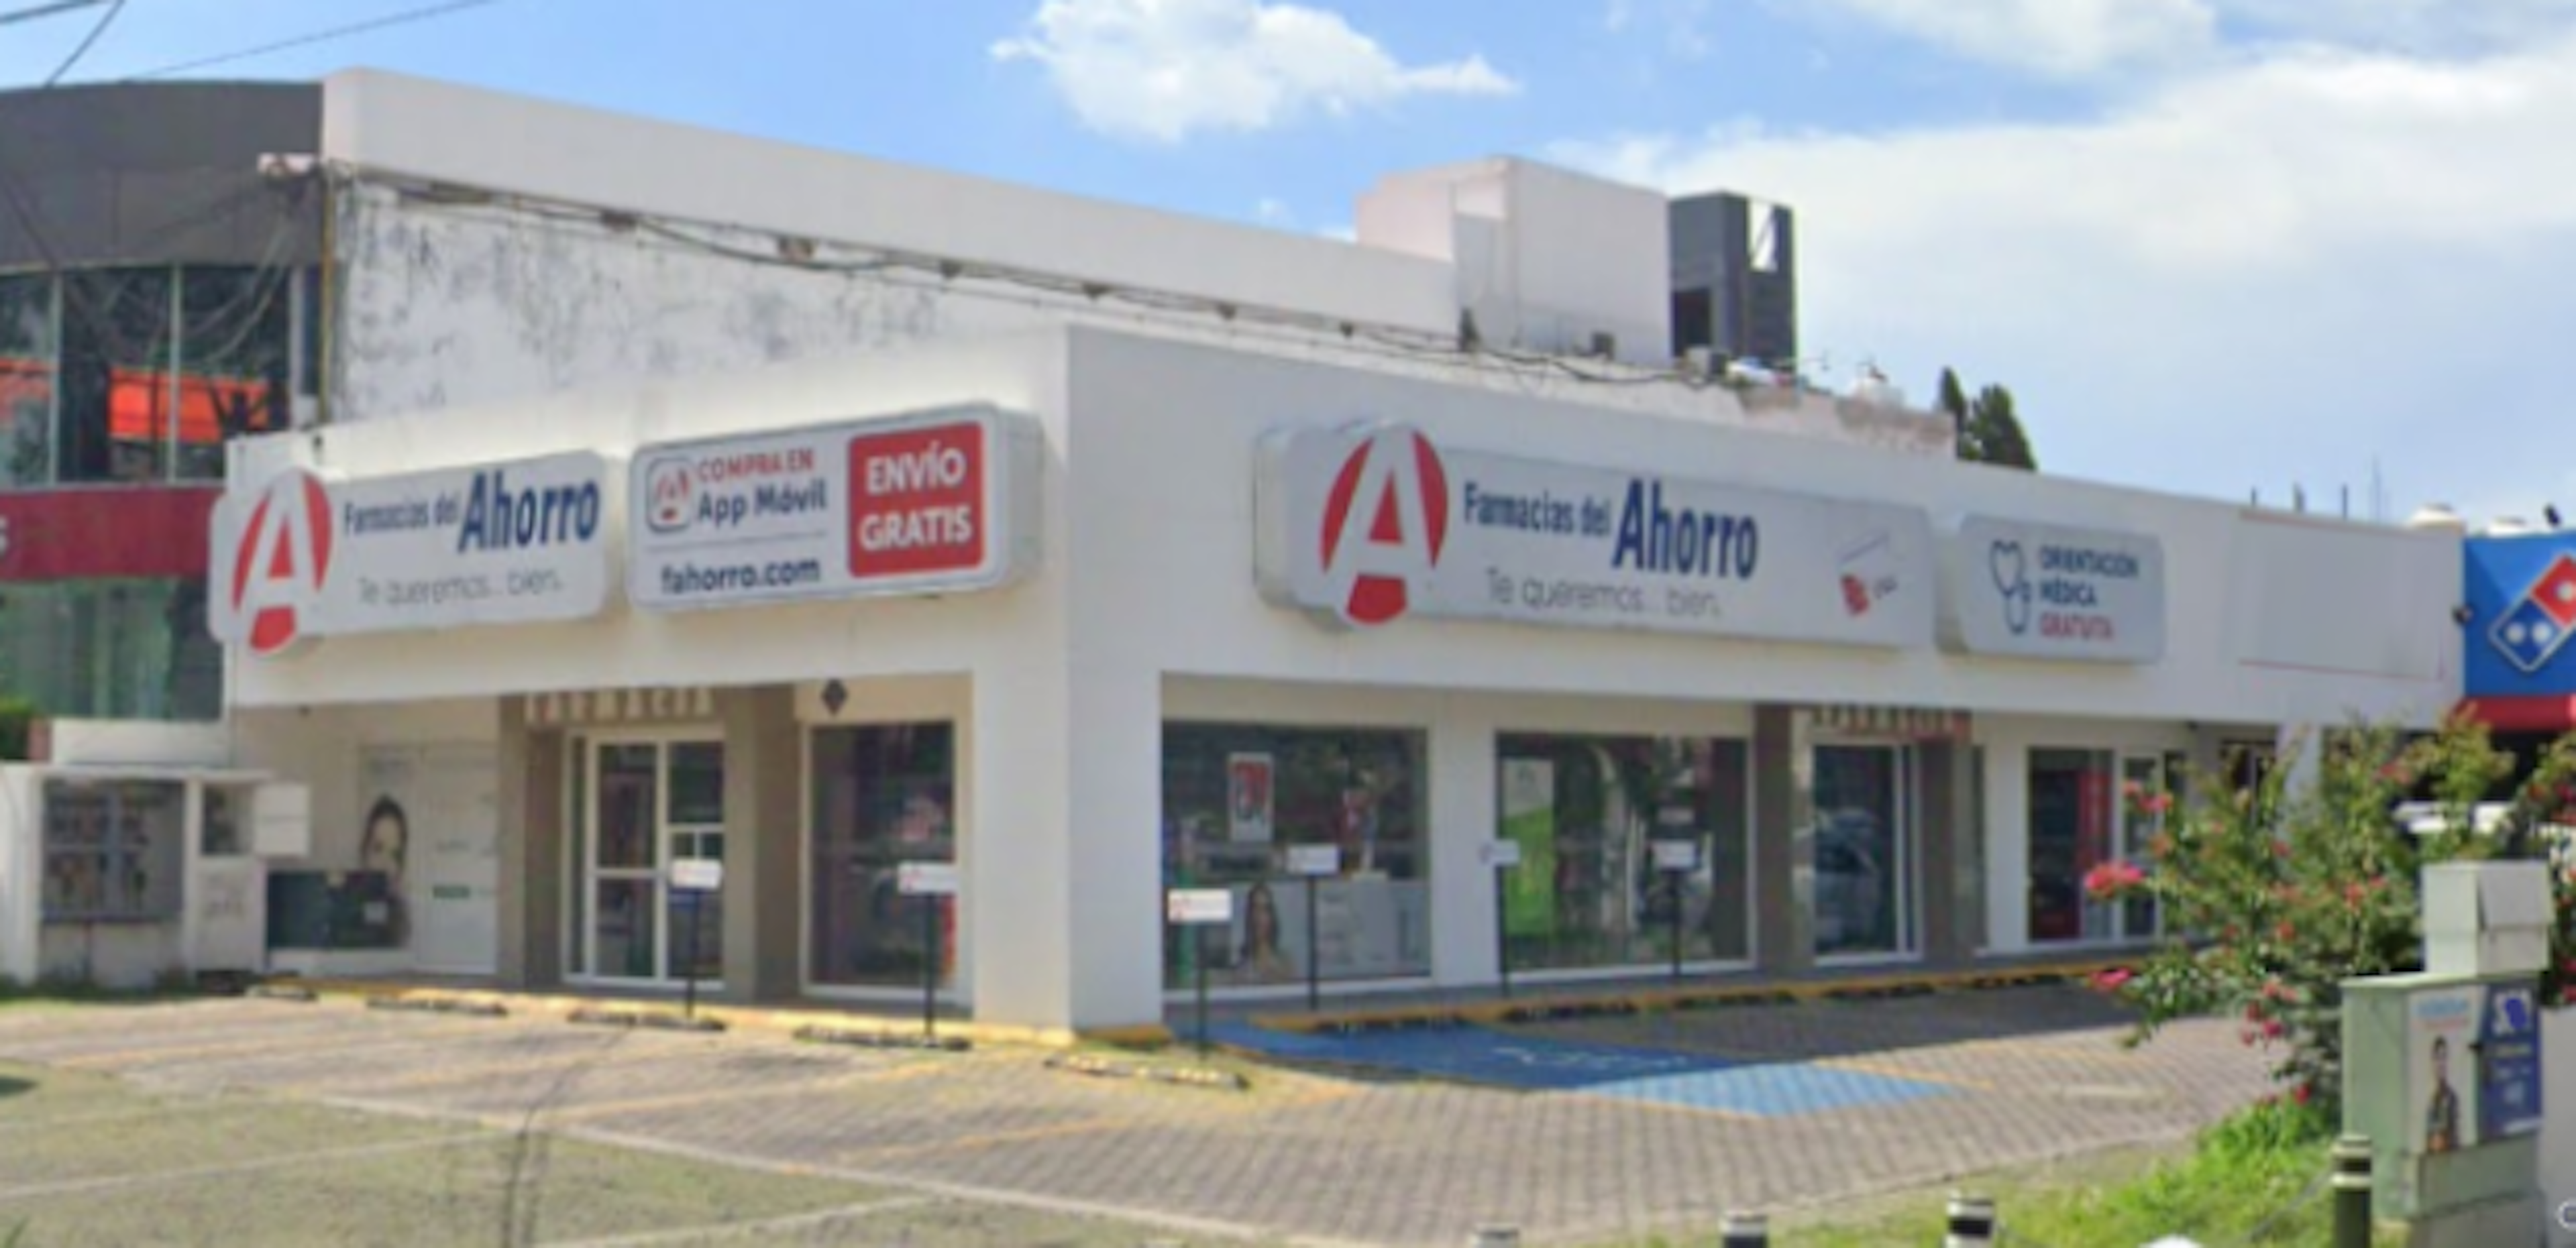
(2352, 1192)
(1502, 933)
(1745, 1230)
(689, 994)
(1972, 1222)
(1199, 938)
(1677, 877)
(1314, 966)
(929, 967)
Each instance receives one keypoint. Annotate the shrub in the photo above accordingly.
(2276, 896)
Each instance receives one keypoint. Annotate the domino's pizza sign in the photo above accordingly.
(2521, 599)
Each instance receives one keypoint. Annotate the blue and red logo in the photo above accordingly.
(2536, 624)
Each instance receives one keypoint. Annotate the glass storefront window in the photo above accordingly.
(112, 851)
(1235, 797)
(884, 795)
(28, 351)
(142, 374)
(112, 649)
(1586, 812)
(2071, 795)
(1863, 851)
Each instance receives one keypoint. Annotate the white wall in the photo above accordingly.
(1174, 562)
(2558, 1126)
(1545, 257)
(22, 836)
(446, 305)
(389, 123)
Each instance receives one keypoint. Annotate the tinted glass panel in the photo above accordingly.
(27, 351)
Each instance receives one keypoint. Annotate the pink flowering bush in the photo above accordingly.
(2273, 898)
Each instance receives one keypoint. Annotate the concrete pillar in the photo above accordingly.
(1463, 819)
(1951, 841)
(532, 841)
(2007, 834)
(763, 879)
(1784, 852)
(1063, 871)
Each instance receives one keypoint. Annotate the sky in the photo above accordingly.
(2213, 246)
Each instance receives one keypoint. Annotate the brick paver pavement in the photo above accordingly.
(2033, 1074)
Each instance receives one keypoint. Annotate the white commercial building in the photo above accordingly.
(1093, 608)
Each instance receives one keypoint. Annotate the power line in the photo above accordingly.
(105, 20)
(33, 12)
(406, 17)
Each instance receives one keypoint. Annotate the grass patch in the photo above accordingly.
(2248, 1181)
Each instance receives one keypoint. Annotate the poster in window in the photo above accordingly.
(1529, 820)
(1248, 785)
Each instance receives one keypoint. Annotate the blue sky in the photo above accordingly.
(2213, 245)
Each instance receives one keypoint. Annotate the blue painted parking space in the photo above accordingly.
(1773, 1090)
(1497, 1058)
(1475, 1055)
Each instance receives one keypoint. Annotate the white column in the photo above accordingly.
(2007, 835)
(1063, 864)
(1463, 819)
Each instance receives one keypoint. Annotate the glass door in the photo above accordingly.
(1863, 852)
(651, 802)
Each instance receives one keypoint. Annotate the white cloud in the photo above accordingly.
(1684, 23)
(1164, 69)
(2057, 38)
(2290, 262)
(2423, 26)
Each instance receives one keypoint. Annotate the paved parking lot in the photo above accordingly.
(1012, 1152)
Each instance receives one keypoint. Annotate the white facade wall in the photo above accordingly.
(2558, 1128)
(1143, 608)
(457, 301)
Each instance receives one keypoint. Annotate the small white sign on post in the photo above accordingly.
(926, 879)
(697, 875)
(1190, 907)
(1677, 855)
(1314, 860)
(1500, 854)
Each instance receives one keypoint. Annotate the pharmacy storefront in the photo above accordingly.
(812, 681)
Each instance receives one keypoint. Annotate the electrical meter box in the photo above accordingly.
(2486, 918)
(2442, 1073)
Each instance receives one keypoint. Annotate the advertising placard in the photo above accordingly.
(2037, 591)
(1193, 907)
(1314, 860)
(305, 556)
(1529, 823)
(2509, 1100)
(1676, 855)
(2441, 1026)
(1367, 525)
(936, 502)
(1248, 783)
(926, 879)
(697, 875)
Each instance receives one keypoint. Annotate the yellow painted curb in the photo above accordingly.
(785, 1020)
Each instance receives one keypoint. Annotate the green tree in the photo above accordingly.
(1954, 401)
(1995, 431)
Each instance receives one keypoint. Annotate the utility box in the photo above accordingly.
(2442, 1070)
(2486, 918)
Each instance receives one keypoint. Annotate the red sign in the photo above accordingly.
(917, 501)
(283, 555)
(105, 532)
(1385, 523)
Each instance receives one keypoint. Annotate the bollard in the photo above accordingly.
(1745, 1230)
(2352, 1192)
(1496, 1237)
(1972, 1222)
